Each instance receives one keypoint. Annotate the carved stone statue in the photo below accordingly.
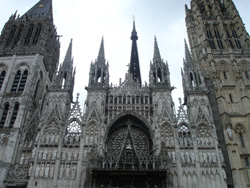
(51, 172)
(224, 174)
(221, 156)
(33, 153)
(173, 156)
(45, 154)
(52, 138)
(214, 157)
(182, 157)
(47, 171)
(73, 172)
(42, 170)
(37, 171)
(67, 172)
(22, 159)
(230, 133)
(57, 139)
(61, 171)
(54, 154)
(192, 157)
(30, 170)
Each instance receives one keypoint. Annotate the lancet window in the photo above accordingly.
(4, 115)
(19, 81)
(14, 115)
(2, 76)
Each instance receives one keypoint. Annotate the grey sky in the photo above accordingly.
(87, 21)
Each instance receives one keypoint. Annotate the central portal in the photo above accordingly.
(129, 160)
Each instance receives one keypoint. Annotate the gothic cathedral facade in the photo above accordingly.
(129, 135)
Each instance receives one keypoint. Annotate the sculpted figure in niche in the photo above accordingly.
(188, 157)
(33, 153)
(47, 171)
(52, 138)
(42, 171)
(57, 138)
(77, 139)
(73, 172)
(230, 133)
(221, 156)
(51, 172)
(30, 170)
(172, 142)
(37, 171)
(54, 154)
(192, 157)
(45, 154)
(182, 157)
(75, 155)
(22, 159)
(205, 157)
(201, 158)
(61, 171)
(67, 171)
(37, 138)
(47, 140)
(63, 155)
(69, 155)
(224, 174)
(49, 155)
(173, 156)
(214, 157)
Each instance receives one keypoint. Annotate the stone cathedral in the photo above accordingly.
(130, 135)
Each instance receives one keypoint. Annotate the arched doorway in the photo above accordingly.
(129, 160)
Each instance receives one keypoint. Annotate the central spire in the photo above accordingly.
(134, 61)
(42, 8)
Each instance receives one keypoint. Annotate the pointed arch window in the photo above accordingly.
(2, 76)
(218, 37)
(4, 115)
(229, 38)
(37, 34)
(14, 115)
(236, 39)
(11, 36)
(210, 39)
(18, 36)
(19, 81)
(240, 130)
(29, 34)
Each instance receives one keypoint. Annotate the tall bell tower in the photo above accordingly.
(29, 54)
(220, 48)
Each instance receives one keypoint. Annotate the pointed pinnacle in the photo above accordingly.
(134, 33)
(68, 57)
(101, 55)
(188, 58)
(156, 50)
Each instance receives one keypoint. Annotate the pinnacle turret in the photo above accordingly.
(157, 54)
(101, 55)
(134, 61)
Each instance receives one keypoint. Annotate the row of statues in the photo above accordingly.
(189, 157)
(45, 154)
(48, 170)
(70, 138)
(205, 142)
(48, 139)
(187, 141)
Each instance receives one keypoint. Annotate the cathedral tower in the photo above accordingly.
(220, 48)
